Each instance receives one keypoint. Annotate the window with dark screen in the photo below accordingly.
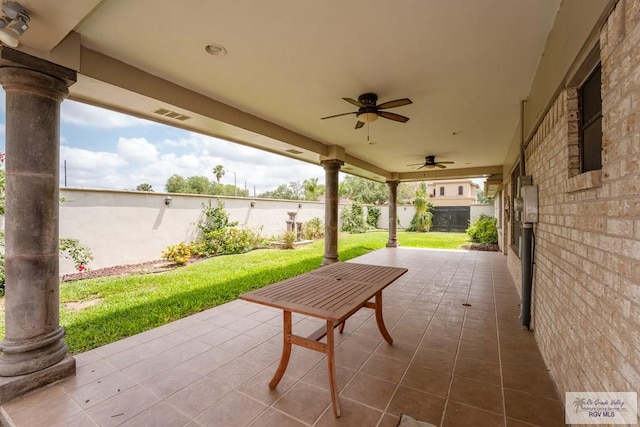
(591, 122)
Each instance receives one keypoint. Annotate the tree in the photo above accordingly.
(290, 191)
(312, 190)
(481, 198)
(219, 172)
(365, 191)
(176, 184)
(406, 193)
(202, 185)
(199, 185)
(228, 190)
(423, 218)
(144, 187)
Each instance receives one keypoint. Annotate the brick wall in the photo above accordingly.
(587, 256)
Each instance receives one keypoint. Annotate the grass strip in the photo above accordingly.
(127, 305)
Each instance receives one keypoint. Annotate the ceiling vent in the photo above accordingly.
(296, 152)
(171, 114)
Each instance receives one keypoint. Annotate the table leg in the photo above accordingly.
(286, 351)
(341, 327)
(380, 320)
(331, 363)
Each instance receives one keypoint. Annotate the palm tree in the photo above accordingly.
(218, 171)
(311, 189)
(423, 219)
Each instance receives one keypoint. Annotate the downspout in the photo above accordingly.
(526, 249)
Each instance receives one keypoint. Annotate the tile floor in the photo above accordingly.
(450, 364)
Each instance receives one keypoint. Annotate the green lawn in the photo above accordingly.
(127, 305)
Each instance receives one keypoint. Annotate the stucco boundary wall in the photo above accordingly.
(128, 227)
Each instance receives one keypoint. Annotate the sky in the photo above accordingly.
(105, 149)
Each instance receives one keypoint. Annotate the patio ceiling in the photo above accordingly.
(465, 64)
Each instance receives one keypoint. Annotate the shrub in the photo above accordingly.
(313, 229)
(178, 254)
(373, 214)
(214, 218)
(353, 219)
(484, 230)
(219, 236)
(288, 239)
(80, 254)
(229, 241)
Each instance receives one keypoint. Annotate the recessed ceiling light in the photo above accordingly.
(215, 50)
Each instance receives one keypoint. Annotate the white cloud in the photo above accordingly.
(137, 150)
(88, 115)
(90, 160)
(140, 160)
(95, 169)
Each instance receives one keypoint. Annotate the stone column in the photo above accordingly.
(393, 214)
(331, 167)
(33, 352)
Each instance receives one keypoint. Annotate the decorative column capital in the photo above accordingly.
(15, 59)
(393, 184)
(24, 80)
(331, 164)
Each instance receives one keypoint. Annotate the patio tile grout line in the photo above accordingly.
(455, 359)
(504, 401)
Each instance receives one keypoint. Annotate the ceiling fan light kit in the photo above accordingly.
(367, 117)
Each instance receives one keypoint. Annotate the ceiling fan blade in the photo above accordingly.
(359, 124)
(393, 116)
(395, 103)
(337, 115)
(354, 102)
(416, 164)
(420, 167)
(440, 165)
(446, 163)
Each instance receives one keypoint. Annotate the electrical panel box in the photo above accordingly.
(529, 203)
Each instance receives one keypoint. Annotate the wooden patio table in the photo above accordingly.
(331, 293)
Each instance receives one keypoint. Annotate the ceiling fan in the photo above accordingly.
(430, 162)
(368, 111)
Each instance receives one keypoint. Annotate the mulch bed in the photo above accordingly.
(489, 247)
(157, 266)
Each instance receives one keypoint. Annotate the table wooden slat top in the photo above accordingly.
(332, 292)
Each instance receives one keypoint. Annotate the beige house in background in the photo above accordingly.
(455, 192)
